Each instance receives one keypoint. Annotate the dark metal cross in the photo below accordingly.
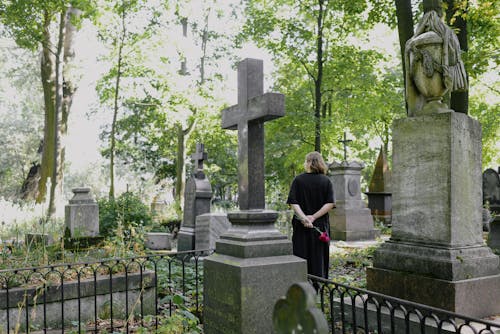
(248, 117)
(344, 142)
(198, 157)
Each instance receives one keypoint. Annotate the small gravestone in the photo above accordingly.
(82, 214)
(491, 200)
(351, 220)
(379, 194)
(253, 265)
(197, 198)
(82, 219)
(297, 312)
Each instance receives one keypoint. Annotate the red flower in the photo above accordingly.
(323, 236)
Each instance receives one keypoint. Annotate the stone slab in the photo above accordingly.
(209, 228)
(158, 240)
(477, 297)
(240, 293)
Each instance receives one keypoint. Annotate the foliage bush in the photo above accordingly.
(127, 209)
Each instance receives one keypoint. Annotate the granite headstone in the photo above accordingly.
(197, 197)
(253, 265)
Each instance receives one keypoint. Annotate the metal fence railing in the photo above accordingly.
(102, 296)
(354, 310)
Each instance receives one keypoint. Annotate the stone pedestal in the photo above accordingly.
(197, 198)
(252, 268)
(436, 254)
(209, 228)
(82, 215)
(351, 219)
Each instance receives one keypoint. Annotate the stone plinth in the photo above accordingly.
(82, 215)
(436, 247)
(351, 219)
(251, 269)
(197, 198)
(209, 228)
(158, 240)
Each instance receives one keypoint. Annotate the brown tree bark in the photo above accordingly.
(404, 17)
(47, 74)
(319, 78)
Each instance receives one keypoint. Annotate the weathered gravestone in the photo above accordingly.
(351, 219)
(197, 198)
(379, 193)
(436, 254)
(253, 265)
(491, 199)
(297, 312)
(82, 219)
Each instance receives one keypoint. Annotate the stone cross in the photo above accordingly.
(198, 157)
(248, 117)
(344, 142)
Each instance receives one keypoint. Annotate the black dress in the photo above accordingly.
(311, 191)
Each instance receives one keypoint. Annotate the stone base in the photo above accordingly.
(477, 297)
(158, 241)
(352, 225)
(251, 269)
(397, 322)
(240, 293)
(209, 228)
(185, 239)
(450, 264)
(494, 235)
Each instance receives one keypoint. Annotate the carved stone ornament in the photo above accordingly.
(434, 67)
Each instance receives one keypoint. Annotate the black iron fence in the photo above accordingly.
(138, 294)
(353, 310)
(112, 295)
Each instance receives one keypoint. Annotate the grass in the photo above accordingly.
(349, 266)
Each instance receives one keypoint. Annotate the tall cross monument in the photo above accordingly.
(248, 117)
(253, 265)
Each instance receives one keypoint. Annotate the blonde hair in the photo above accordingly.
(314, 163)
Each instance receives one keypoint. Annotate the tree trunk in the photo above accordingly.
(58, 113)
(47, 75)
(180, 167)
(112, 135)
(69, 87)
(319, 78)
(405, 28)
(459, 101)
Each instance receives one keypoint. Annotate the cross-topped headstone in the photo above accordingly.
(198, 157)
(344, 142)
(248, 117)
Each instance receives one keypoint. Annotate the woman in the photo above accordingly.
(311, 197)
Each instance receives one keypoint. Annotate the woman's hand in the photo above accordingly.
(307, 222)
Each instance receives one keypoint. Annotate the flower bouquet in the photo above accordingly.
(323, 236)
